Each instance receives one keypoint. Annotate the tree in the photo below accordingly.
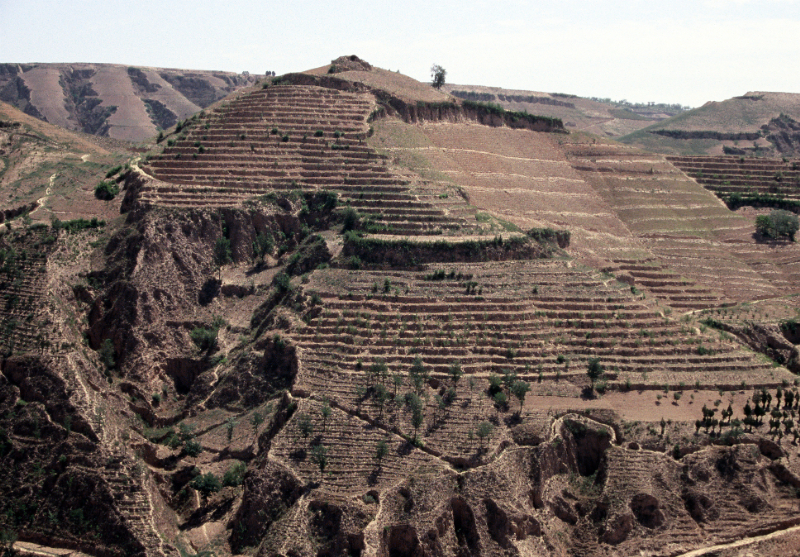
(107, 353)
(519, 389)
(438, 75)
(509, 377)
(326, 413)
(263, 246)
(417, 416)
(206, 484)
(222, 253)
(455, 372)
(379, 371)
(500, 401)
(234, 476)
(419, 375)
(381, 450)
(304, 425)
(229, 427)
(381, 396)
(594, 370)
(319, 456)
(256, 420)
(192, 448)
(485, 430)
(397, 380)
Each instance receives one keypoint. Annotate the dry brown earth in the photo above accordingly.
(296, 366)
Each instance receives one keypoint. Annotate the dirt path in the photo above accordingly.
(645, 406)
(740, 543)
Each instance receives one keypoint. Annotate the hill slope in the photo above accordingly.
(755, 123)
(122, 102)
(49, 172)
(337, 319)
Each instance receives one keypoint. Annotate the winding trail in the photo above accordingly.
(740, 543)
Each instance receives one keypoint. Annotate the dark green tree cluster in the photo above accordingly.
(778, 224)
(505, 386)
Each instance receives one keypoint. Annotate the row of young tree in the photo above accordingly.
(781, 415)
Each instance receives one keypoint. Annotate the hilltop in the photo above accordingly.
(755, 124)
(122, 102)
(343, 313)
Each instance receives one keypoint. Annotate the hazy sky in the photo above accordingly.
(686, 52)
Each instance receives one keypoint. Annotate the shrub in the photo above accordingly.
(319, 133)
(106, 190)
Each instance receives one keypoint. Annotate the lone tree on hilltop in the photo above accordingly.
(438, 75)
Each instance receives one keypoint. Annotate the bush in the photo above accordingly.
(206, 484)
(235, 475)
(778, 224)
(350, 219)
(205, 339)
(76, 225)
(106, 190)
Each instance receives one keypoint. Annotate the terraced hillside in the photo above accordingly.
(279, 139)
(745, 176)
(630, 212)
(339, 320)
(122, 102)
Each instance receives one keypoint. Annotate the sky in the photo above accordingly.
(686, 52)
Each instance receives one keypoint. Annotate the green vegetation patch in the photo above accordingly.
(404, 253)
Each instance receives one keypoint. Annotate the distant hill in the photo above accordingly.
(758, 123)
(51, 172)
(118, 101)
(601, 116)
